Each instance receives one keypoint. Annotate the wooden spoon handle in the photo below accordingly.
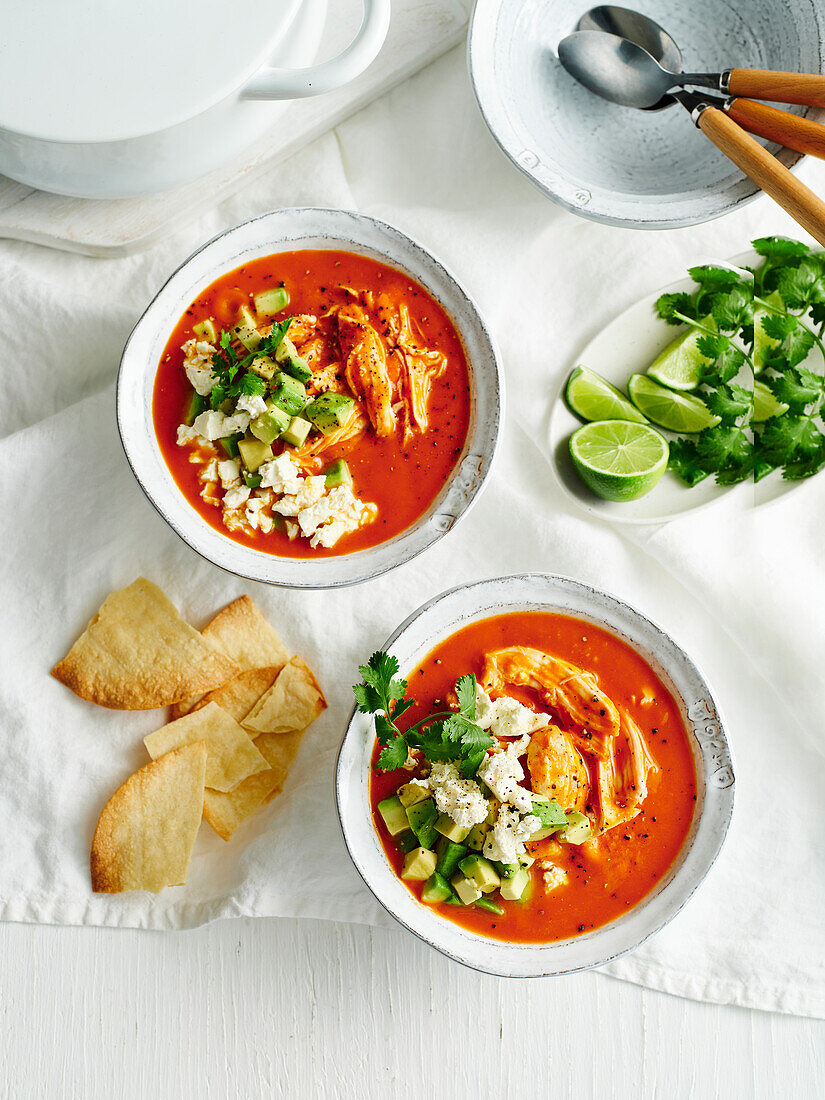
(786, 129)
(765, 170)
(806, 88)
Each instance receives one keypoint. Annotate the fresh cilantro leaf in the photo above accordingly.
(385, 730)
(734, 309)
(796, 340)
(380, 670)
(684, 461)
(714, 275)
(735, 472)
(797, 387)
(729, 401)
(252, 385)
(805, 467)
(712, 346)
(789, 438)
(779, 325)
(668, 305)
(393, 755)
(779, 247)
(725, 366)
(723, 445)
(272, 341)
(802, 285)
(465, 690)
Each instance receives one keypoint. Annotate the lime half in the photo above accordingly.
(617, 459)
(765, 405)
(593, 398)
(680, 365)
(680, 412)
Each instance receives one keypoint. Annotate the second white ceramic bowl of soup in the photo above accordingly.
(442, 617)
(291, 230)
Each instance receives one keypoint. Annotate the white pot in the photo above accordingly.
(128, 99)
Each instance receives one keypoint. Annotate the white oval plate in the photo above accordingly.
(641, 169)
(286, 231)
(411, 642)
(628, 345)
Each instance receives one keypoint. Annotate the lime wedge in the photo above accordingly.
(617, 459)
(593, 398)
(680, 365)
(763, 344)
(765, 405)
(680, 412)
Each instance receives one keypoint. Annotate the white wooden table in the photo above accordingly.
(307, 1009)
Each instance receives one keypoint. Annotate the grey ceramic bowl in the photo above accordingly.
(284, 231)
(641, 169)
(410, 643)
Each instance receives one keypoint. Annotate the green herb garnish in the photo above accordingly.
(234, 377)
(441, 736)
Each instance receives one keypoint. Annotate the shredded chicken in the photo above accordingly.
(365, 366)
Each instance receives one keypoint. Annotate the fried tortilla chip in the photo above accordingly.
(225, 812)
(231, 755)
(293, 703)
(138, 653)
(242, 633)
(237, 697)
(145, 834)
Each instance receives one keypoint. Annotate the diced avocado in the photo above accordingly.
(578, 829)
(297, 432)
(452, 900)
(247, 333)
(270, 302)
(289, 394)
(254, 452)
(196, 406)
(252, 481)
(422, 818)
(394, 815)
(490, 906)
(551, 816)
(278, 523)
(338, 474)
(269, 425)
(419, 864)
(229, 445)
(466, 889)
(290, 361)
(481, 872)
(205, 330)
(476, 835)
(410, 793)
(436, 889)
(330, 411)
(263, 366)
(407, 841)
(505, 870)
(526, 861)
(515, 887)
(447, 827)
(492, 813)
(450, 855)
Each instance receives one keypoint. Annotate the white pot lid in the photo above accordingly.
(105, 70)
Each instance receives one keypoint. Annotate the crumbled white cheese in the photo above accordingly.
(209, 472)
(187, 435)
(197, 362)
(251, 403)
(554, 876)
(229, 471)
(505, 840)
(280, 474)
(255, 517)
(309, 492)
(506, 717)
(461, 799)
(502, 773)
(213, 424)
(292, 530)
(236, 497)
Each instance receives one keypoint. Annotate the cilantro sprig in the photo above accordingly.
(441, 736)
(233, 374)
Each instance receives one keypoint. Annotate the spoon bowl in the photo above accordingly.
(615, 68)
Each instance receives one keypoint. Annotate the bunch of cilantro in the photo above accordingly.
(233, 374)
(441, 736)
(721, 311)
(789, 293)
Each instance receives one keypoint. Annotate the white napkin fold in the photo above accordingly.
(741, 591)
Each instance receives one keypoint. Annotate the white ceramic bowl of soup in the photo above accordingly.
(288, 231)
(437, 620)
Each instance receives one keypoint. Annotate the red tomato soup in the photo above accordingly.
(368, 342)
(593, 883)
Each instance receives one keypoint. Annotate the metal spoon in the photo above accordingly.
(802, 134)
(624, 73)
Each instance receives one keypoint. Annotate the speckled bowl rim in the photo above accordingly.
(436, 620)
(575, 196)
(287, 229)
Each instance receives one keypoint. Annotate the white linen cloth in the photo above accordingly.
(740, 589)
